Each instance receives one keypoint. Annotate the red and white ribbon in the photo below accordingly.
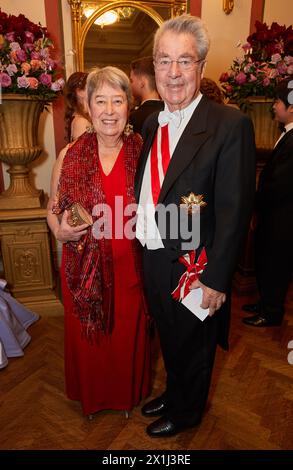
(191, 274)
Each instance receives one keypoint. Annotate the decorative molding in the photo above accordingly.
(76, 8)
(228, 6)
(27, 264)
(179, 9)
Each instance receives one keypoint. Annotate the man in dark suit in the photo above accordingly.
(143, 85)
(209, 159)
(274, 229)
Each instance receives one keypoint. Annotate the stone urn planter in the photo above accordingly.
(265, 127)
(19, 121)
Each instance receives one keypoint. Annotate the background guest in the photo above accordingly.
(143, 85)
(274, 222)
(77, 119)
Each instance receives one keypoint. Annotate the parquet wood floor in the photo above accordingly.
(250, 403)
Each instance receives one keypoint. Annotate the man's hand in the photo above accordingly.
(211, 299)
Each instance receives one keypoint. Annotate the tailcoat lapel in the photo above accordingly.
(193, 137)
(282, 141)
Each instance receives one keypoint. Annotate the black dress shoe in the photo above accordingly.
(156, 407)
(164, 427)
(251, 308)
(260, 320)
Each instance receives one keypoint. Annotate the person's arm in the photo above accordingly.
(61, 229)
(78, 126)
(234, 190)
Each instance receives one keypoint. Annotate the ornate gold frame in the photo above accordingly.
(80, 30)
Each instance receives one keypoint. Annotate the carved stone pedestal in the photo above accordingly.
(28, 269)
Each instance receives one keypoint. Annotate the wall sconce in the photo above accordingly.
(228, 6)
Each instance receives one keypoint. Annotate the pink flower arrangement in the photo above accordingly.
(267, 60)
(26, 65)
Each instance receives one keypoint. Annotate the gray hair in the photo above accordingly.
(111, 76)
(186, 24)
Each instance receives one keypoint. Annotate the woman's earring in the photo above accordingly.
(90, 129)
(128, 129)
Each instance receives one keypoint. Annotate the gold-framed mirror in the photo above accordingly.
(117, 32)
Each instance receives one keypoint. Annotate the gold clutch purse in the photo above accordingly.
(79, 215)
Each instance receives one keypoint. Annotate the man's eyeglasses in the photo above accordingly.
(184, 64)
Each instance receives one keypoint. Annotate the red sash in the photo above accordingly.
(164, 152)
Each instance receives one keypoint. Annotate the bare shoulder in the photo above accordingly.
(78, 126)
(61, 156)
(63, 152)
(59, 162)
(80, 119)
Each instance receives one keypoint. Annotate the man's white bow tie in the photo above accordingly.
(166, 116)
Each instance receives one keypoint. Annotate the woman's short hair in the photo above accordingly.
(186, 24)
(111, 76)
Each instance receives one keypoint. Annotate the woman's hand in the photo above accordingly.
(65, 232)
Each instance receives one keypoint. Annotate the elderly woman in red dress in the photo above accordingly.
(107, 344)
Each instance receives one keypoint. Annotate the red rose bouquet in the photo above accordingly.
(26, 63)
(267, 59)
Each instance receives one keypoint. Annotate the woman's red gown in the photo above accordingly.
(113, 372)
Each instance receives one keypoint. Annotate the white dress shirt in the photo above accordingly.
(146, 228)
(288, 128)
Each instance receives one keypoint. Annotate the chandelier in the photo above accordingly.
(109, 17)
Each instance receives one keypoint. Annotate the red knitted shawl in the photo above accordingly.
(89, 263)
